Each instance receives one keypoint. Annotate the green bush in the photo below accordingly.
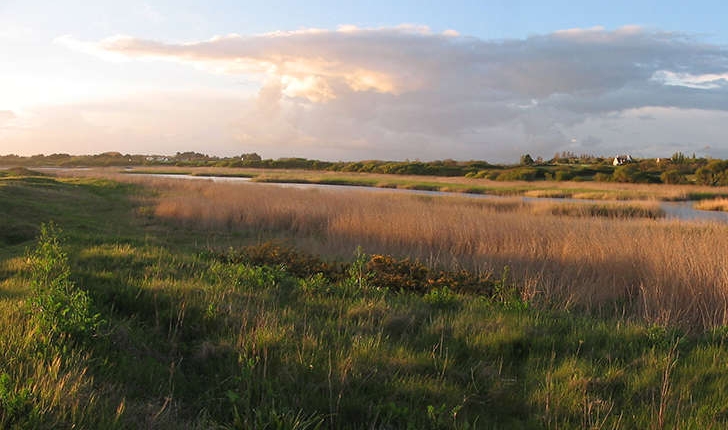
(441, 298)
(520, 174)
(629, 173)
(672, 176)
(407, 275)
(602, 177)
(296, 263)
(563, 175)
(57, 305)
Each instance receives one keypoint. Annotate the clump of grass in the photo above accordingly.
(553, 194)
(712, 205)
(16, 172)
(631, 210)
(297, 263)
(407, 275)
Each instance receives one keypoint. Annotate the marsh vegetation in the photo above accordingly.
(210, 305)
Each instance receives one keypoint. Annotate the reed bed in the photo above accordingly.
(712, 205)
(665, 272)
(623, 210)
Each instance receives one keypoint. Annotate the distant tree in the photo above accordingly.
(518, 174)
(526, 160)
(629, 173)
(714, 173)
(678, 158)
(251, 157)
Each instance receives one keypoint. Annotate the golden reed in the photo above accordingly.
(662, 271)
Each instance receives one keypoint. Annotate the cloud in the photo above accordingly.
(707, 81)
(70, 42)
(406, 90)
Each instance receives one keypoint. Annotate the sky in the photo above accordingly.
(389, 80)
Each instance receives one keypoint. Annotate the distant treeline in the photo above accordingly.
(677, 169)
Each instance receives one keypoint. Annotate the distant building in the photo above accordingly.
(158, 159)
(622, 159)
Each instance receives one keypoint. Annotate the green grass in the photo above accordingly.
(264, 337)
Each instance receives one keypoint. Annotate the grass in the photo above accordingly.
(621, 210)
(201, 330)
(18, 172)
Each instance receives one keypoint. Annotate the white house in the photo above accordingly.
(621, 159)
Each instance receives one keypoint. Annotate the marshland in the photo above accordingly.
(135, 301)
(363, 215)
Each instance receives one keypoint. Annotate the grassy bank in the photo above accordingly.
(200, 327)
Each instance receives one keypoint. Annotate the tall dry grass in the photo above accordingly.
(712, 205)
(663, 271)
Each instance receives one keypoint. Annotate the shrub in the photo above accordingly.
(398, 274)
(602, 177)
(408, 275)
(441, 298)
(519, 174)
(629, 173)
(563, 175)
(57, 305)
(673, 177)
(358, 276)
(297, 263)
